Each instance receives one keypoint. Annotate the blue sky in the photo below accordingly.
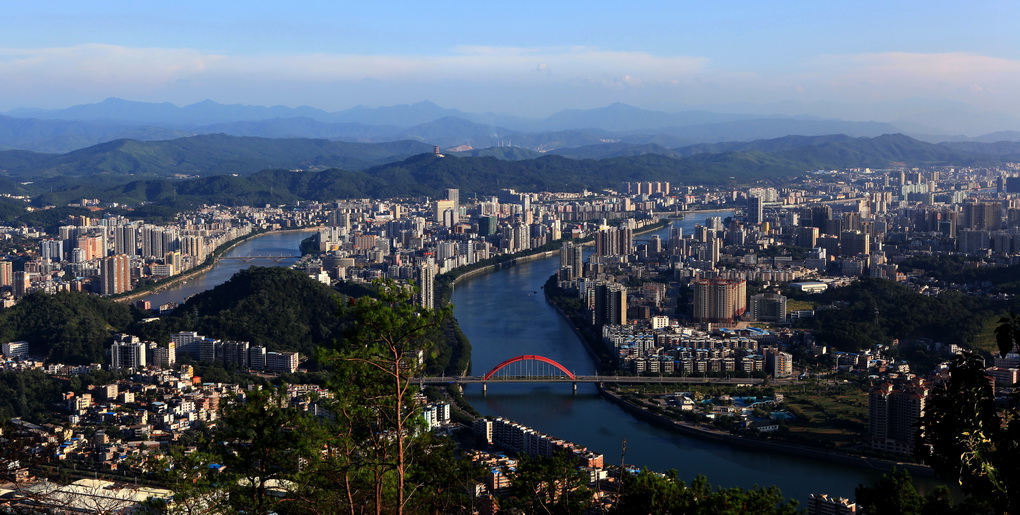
(856, 60)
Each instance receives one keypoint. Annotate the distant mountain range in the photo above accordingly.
(220, 154)
(77, 127)
(213, 154)
(247, 170)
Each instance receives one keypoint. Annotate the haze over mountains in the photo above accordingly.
(64, 130)
(160, 159)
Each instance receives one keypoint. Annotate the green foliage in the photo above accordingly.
(383, 351)
(965, 437)
(876, 310)
(549, 484)
(1007, 333)
(66, 327)
(49, 219)
(442, 477)
(276, 307)
(264, 446)
(29, 395)
(649, 492)
(894, 494)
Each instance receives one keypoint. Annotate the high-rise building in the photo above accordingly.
(820, 216)
(94, 246)
(125, 240)
(208, 349)
(128, 352)
(6, 273)
(15, 349)
(234, 353)
(487, 225)
(52, 250)
(194, 246)
(610, 304)
(115, 275)
(972, 241)
(754, 210)
(614, 242)
(852, 243)
(807, 237)
(162, 356)
(893, 412)
(719, 300)
(257, 357)
(713, 249)
(440, 207)
(425, 279)
(187, 342)
(572, 257)
(22, 283)
(982, 216)
(453, 195)
(1012, 184)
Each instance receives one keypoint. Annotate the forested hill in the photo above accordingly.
(426, 174)
(279, 308)
(211, 154)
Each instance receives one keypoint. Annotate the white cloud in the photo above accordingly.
(99, 63)
(508, 79)
(955, 75)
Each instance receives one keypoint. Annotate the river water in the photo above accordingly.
(286, 243)
(504, 314)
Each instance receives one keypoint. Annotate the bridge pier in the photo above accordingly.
(483, 390)
(575, 388)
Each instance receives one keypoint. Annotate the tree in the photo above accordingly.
(650, 492)
(964, 437)
(263, 444)
(445, 478)
(385, 348)
(894, 494)
(1007, 333)
(549, 484)
(194, 480)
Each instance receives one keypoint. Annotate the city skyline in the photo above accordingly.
(867, 61)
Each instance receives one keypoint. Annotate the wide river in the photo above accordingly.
(504, 314)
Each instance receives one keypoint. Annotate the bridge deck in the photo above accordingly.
(595, 379)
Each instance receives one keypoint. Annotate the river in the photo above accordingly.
(503, 316)
(285, 243)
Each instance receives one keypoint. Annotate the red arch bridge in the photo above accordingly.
(530, 368)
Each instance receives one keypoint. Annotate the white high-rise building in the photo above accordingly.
(127, 352)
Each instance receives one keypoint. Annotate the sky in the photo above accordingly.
(920, 61)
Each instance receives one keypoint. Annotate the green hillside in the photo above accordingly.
(214, 154)
(424, 174)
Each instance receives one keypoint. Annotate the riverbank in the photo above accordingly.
(756, 443)
(593, 347)
(203, 268)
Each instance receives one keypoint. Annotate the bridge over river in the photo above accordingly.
(540, 369)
